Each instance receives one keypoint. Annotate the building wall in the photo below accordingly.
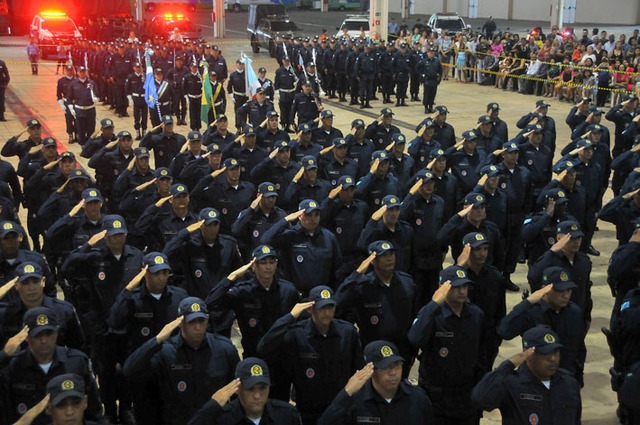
(619, 12)
(499, 9)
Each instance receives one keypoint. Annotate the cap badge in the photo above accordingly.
(461, 273)
(117, 224)
(256, 370)
(195, 307)
(564, 277)
(385, 246)
(93, 193)
(265, 250)
(42, 320)
(29, 268)
(67, 385)
(158, 260)
(386, 351)
(7, 226)
(479, 237)
(549, 339)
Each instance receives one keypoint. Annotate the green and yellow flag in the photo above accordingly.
(206, 94)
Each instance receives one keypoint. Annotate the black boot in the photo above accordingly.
(509, 285)
(139, 134)
(2, 118)
(397, 102)
(403, 103)
(367, 105)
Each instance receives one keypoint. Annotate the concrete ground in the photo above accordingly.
(34, 96)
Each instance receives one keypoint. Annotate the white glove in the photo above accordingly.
(62, 105)
(187, 99)
(130, 100)
(72, 109)
(96, 100)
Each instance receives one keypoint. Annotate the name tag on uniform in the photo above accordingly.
(444, 334)
(373, 305)
(180, 367)
(143, 315)
(252, 305)
(308, 356)
(23, 387)
(532, 397)
(300, 245)
(368, 420)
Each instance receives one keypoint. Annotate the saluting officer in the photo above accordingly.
(335, 163)
(306, 104)
(107, 135)
(20, 149)
(165, 144)
(306, 184)
(539, 117)
(423, 144)
(378, 182)
(254, 112)
(134, 87)
(326, 133)
(382, 129)
(277, 168)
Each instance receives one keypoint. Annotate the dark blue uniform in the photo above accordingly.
(251, 225)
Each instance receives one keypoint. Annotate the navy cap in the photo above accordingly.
(33, 123)
(584, 143)
(106, 123)
(391, 201)
(484, 119)
(231, 163)
(209, 215)
(346, 182)
(339, 142)
(309, 162)
(156, 261)
(249, 130)
(263, 251)
(178, 189)
(382, 354)
(40, 319)
(167, 119)
(92, 194)
(214, 148)
(272, 114)
(306, 83)
(322, 295)
(631, 96)
(570, 227)
(357, 123)
(470, 135)
(281, 144)
(49, 141)
(28, 270)
(81, 68)
(386, 111)
(595, 128)
(221, 117)
(399, 139)
(425, 175)
(441, 109)
(510, 147)
(567, 164)
(79, 174)
(141, 153)
(64, 386)
(123, 134)
(456, 275)
(114, 224)
(8, 227)
(306, 128)
(542, 103)
(252, 371)
(543, 338)
(437, 153)
(380, 155)
(260, 90)
(490, 170)
(595, 110)
(309, 206)
(158, 70)
(267, 189)
(326, 114)
(558, 277)
(427, 123)
(67, 155)
(192, 308)
(536, 128)
(475, 239)
(475, 199)
(162, 173)
(380, 247)
(558, 195)
(194, 136)
(493, 106)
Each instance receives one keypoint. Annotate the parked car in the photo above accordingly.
(450, 23)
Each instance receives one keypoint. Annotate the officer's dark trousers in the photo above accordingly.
(157, 112)
(69, 121)
(589, 227)
(180, 105)
(121, 98)
(342, 84)
(415, 85)
(355, 88)
(33, 227)
(286, 118)
(430, 89)
(85, 124)
(387, 85)
(3, 89)
(195, 106)
(401, 89)
(140, 113)
(331, 83)
(110, 352)
(513, 242)
(366, 88)
(240, 100)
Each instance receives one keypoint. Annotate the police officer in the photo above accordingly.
(531, 392)
(339, 61)
(237, 88)
(254, 112)
(217, 63)
(443, 131)
(401, 164)
(381, 130)
(385, 68)
(486, 140)
(623, 211)
(25, 384)
(81, 99)
(134, 88)
(120, 68)
(285, 82)
(228, 194)
(449, 333)
(537, 158)
(423, 144)
(336, 163)
(20, 149)
(192, 153)
(165, 144)
(186, 367)
(378, 182)
(306, 104)
(268, 133)
(464, 159)
(548, 124)
(218, 103)
(310, 253)
(254, 221)
(29, 285)
(191, 87)
(320, 352)
(179, 102)
(354, 82)
(623, 268)
(499, 128)
(368, 390)
(360, 147)
(253, 385)
(416, 56)
(551, 306)
(329, 70)
(5, 78)
(257, 300)
(578, 114)
(365, 68)
(430, 71)
(107, 135)
(382, 300)
(306, 184)
(62, 91)
(401, 72)
(162, 104)
(277, 168)
(326, 133)
(424, 211)
(265, 83)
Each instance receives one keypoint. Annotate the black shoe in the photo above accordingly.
(510, 286)
(353, 102)
(2, 118)
(593, 251)
(375, 98)
(362, 106)
(368, 106)
(403, 103)
(417, 99)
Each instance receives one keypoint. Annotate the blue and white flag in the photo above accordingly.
(150, 93)
(251, 79)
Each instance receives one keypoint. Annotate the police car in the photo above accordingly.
(355, 26)
(164, 26)
(450, 23)
(53, 28)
